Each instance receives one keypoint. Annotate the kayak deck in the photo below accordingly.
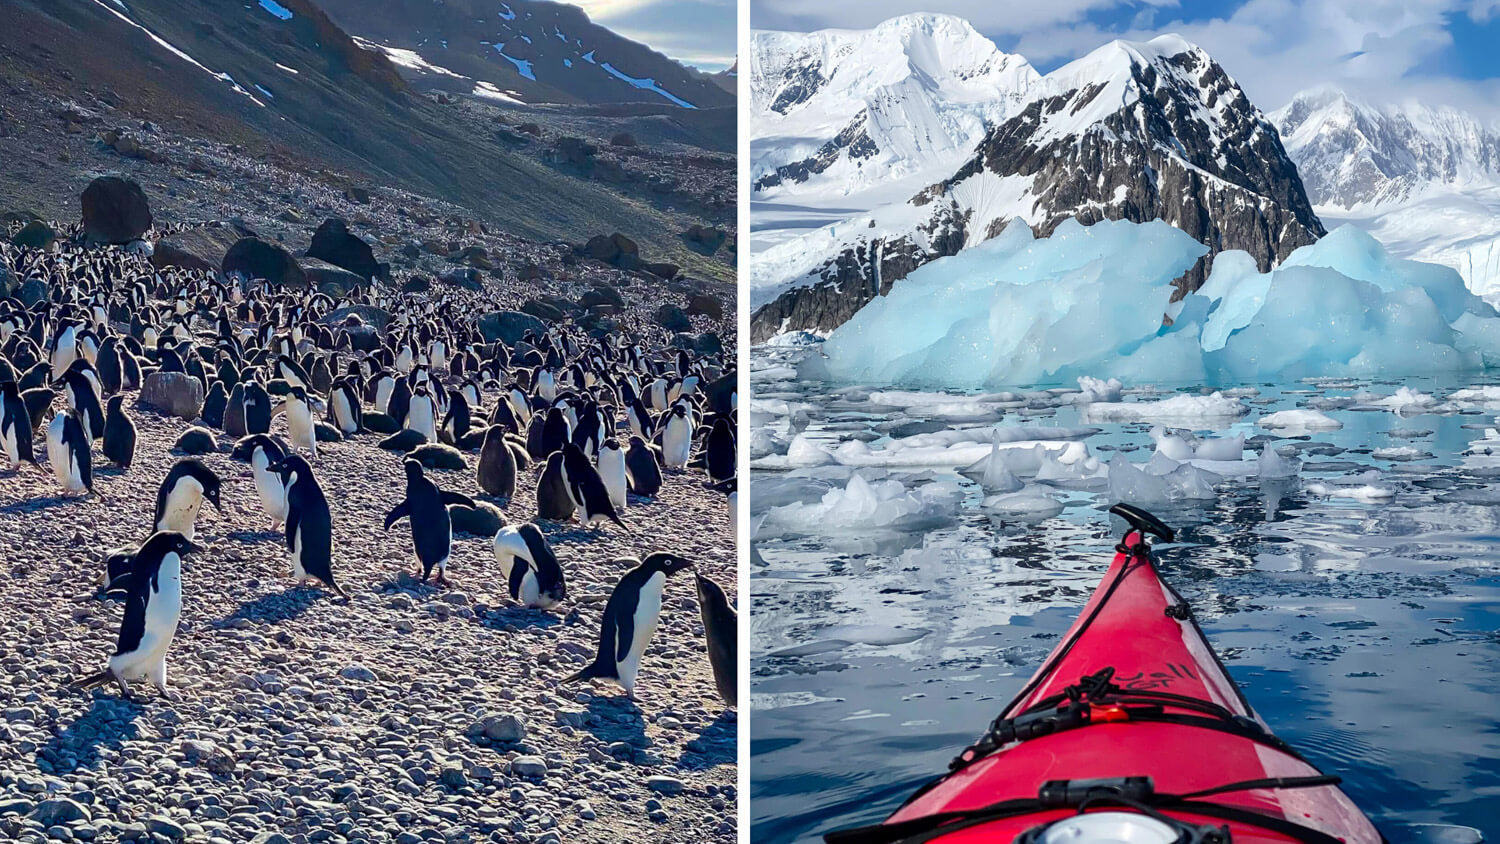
(1155, 702)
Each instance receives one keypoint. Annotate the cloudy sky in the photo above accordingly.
(696, 32)
(1439, 51)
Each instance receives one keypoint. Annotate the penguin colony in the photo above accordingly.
(592, 422)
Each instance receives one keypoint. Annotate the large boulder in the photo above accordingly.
(334, 243)
(252, 258)
(465, 277)
(368, 315)
(508, 326)
(35, 234)
(321, 274)
(115, 210)
(661, 269)
(173, 393)
(543, 310)
(706, 238)
(709, 306)
(672, 318)
(602, 248)
(199, 248)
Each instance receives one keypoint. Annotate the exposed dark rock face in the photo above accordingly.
(115, 210)
(852, 139)
(334, 243)
(254, 258)
(1186, 146)
(199, 248)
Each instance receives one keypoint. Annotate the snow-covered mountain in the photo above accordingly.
(1135, 131)
(1423, 179)
(837, 112)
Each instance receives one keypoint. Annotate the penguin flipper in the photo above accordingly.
(402, 509)
(457, 498)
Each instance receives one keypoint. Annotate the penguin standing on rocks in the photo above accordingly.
(153, 605)
(431, 527)
(69, 451)
(611, 467)
(261, 452)
(721, 629)
(677, 438)
(629, 621)
(309, 524)
(344, 408)
(587, 489)
(642, 468)
(257, 409)
(422, 414)
(497, 465)
(531, 569)
(79, 390)
(553, 500)
(182, 493)
(119, 433)
(15, 427)
(299, 420)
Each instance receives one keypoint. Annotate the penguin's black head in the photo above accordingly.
(413, 469)
(666, 563)
(166, 542)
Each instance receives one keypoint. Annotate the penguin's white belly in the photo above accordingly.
(299, 424)
(181, 512)
(12, 448)
(383, 392)
(677, 446)
(272, 493)
(531, 593)
(342, 412)
(420, 419)
(647, 613)
(612, 470)
(63, 464)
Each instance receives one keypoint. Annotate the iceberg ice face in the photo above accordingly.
(1089, 301)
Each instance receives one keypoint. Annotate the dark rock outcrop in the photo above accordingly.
(115, 210)
(253, 258)
(199, 248)
(173, 393)
(334, 243)
(508, 326)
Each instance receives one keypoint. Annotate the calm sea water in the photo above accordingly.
(1366, 633)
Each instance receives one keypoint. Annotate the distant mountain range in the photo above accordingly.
(1137, 131)
(1425, 180)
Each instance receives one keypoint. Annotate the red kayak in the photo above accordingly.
(1131, 732)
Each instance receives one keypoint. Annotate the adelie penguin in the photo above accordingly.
(181, 496)
(301, 431)
(69, 452)
(431, 528)
(630, 618)
(309, 524)
(677, 438)
(587, 489)
(611, 465)
(119, 433)
(15, 427)
(261, 451)
(719, 451)
(531, 570)
(721, 630)
(153, 606)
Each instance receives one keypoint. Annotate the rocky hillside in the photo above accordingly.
(282, 88)
(1135, 131)
(532, 50)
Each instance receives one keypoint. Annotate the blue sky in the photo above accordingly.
(696, 32)
(1445, 51)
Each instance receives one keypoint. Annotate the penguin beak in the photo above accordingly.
(193, 547)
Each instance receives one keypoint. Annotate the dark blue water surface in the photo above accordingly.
(1366, 633)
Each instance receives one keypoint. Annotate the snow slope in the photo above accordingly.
(1423, 179)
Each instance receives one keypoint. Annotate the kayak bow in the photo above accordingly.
(1131, 732)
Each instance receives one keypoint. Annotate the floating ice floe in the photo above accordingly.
(961, 447)
(1405, 402)
(1366, 486)
(1271, 466)
(1401, 453)
(1299, 420)
(1028, 505)
(1195, 411)
(1161, 481)
(1090, 301)
(863, 505)
(1184, 446)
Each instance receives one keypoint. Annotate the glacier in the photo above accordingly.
(1094, 301)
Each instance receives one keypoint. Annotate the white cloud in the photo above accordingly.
(986, 15)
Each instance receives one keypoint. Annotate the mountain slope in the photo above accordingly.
(533, 50)
(839, 111)
(296, 90)
(1424, 180)
(1135, 131)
